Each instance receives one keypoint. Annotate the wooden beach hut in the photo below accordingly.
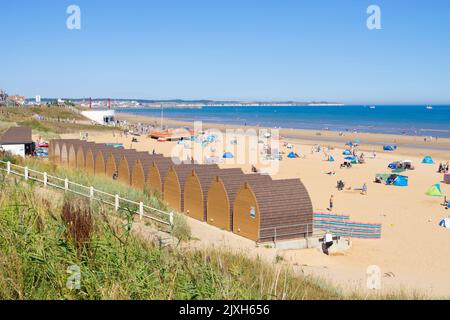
(126, 164)
(72, 153)
(113, 160)
(65, 146)
(272, 210)
(196, 188)
(91, 153)
(100, 158)
(147, 173)
(56, 148)
(221, 194)
(81, 154)
(54, 151)
(175, 179)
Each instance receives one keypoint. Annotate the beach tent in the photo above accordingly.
(346, 152)
(435, 191)
(389, 148)
(401, 181)
(330, 158)
(291, 155)
(228, 155)
(428, 160)
(350, 158)
(393, 165)
(447, 178)
(394, 179)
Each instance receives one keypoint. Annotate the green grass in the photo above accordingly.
(23, 116)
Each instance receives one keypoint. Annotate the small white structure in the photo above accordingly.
(17, 141)
(38, 99)
(103, 117)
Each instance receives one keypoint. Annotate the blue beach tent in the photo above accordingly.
(346, 152)
(228, 155)
(291, 155)
(330, 158)
(428, 160)
(389, 148)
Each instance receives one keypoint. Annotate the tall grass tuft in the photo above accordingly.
(77, 217)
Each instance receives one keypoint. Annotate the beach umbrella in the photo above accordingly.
(435, 191)
(349, 158)
(346, 152)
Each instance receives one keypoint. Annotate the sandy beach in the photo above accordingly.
(413, 250)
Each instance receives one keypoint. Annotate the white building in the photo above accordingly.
(38, 99)
(103, 117)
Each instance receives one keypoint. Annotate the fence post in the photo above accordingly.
(116, 202)
(25, 173)
(45, 179)
(8, 167)
(171, 218)
(141, 210)
(66, 184)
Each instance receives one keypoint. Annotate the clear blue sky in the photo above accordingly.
(229, 49)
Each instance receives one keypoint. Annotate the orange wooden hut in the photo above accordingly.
(101, 157)
(113, 160)
(81, 154)
(127, 161)
(55, 149)
(148, 173)
(91, 153)
(175, 179)
(269, 211)
(196, 187)
(221, 195)
(73, 150)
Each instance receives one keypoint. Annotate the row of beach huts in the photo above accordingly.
(251, 205)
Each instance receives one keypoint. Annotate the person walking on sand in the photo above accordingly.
(330, 208)
(364, 189)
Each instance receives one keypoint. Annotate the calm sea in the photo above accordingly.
(408, 120)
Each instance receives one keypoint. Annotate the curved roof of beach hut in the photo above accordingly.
(73, 150)
(196, 188)
(175, 179)
(126, 164)
(146, 172)
(270, 211)
(65, 147)
(221, 194)
(100, 158)
(55, 148)
(82, 150)
(90, 155)
(113, 159)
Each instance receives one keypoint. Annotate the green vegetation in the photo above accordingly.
(54, 120)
